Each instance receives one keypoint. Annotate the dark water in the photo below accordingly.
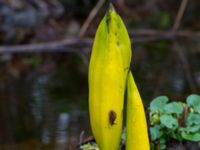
(45, 105)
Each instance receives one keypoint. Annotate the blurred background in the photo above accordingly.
(45, 48)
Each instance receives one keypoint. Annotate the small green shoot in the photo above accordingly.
(89, 146)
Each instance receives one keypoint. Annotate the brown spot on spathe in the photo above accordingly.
(112, 117)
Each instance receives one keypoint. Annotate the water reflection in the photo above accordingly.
(38, 110)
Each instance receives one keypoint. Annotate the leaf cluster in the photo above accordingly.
(174, 120)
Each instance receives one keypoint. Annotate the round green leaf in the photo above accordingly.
(191, 136)
(174, 107)
(169, 121)
(157, 104)
(194, 102)
(193, 119)
(191, 129)
(155, 132)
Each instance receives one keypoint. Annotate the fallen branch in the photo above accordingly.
(166, 34)
(76, 44)
(68, 45)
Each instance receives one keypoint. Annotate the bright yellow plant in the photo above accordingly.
(108, 69)
(108, 78)
(136, 125)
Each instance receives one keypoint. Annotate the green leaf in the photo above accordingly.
(191, 136)
(89, 146)
(193, 119)
(162, 144)
(174, 107)
(169, 121)
(194, 102)
(157, 104)
(190, 129)
(176, 136)
(155, 132)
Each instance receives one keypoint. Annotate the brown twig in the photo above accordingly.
(180, 50)
(186, 66)
(91, 16)
(184, 119)
(57, 46)
(164, 34)
(76, 44)
(180, 13)
(158, 145)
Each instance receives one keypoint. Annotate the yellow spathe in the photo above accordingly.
(136, 125)
(108, 69)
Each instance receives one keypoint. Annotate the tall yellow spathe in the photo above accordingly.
(136, 125)
(108, 70)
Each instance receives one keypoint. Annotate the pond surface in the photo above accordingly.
(44, 97)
